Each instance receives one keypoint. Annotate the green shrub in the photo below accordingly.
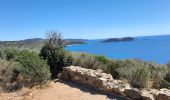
(68, 59)
(102, 59)
(10, 53)
(140, 78)
(32, 68)
(112, 67)
(165, 84)
(53, 51)
(87, 61)
(1, 54)
(8, 76)
(167, 77)
(118, 68)
(157, 74)
(25, 68)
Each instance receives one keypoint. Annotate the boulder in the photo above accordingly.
(132, 93)
(145, 95)
(94, 78)
(164, 94)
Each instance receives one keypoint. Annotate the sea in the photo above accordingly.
(148, 48)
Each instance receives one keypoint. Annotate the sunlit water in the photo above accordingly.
(152, 49)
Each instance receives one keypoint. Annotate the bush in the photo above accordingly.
(167, 77)
(86, 61)
(68, 59)
(10, 53)
(165, 84)
(1, 54)
(140, 78)
(118, 68)
(102, 59)
(53, 51)
(32, 69)
(8, 76)
(22, 68)
(166, 80)
(112, 67)
(139, 73)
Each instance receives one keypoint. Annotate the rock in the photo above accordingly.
(100, 71)
(164, 94)
(154, 92)
(90, 77)
(145, 95)
(106, 83)
(30, 94)
(132, 93)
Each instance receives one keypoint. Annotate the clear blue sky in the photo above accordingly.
(21, 19)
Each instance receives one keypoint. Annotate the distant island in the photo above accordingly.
(74, 41)
(119, 39)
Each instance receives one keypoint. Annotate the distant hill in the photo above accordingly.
(35, 43)
(119, 39)
(32, 40)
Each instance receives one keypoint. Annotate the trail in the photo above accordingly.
(59, 91)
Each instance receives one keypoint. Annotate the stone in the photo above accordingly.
(132, 93)
(164, 94)
(154, 92)
(106, 83)
(145, 95)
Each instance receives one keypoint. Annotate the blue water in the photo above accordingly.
(149, 48)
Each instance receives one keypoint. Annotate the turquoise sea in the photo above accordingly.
(148, 48)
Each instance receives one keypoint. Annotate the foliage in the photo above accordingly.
(167, 77)
(32, 68)
(139, 73)
(102, 59)
(8, 75)
(86, 61)
(166, 81)
(10, 53)
(53, 51)
(1, 54)
(140, 78)
(22, 68)
(165, 84)
(112, 67)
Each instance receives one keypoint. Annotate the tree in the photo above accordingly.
(53, 51)
(55, 39)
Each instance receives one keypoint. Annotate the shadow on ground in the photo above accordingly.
(91, 90)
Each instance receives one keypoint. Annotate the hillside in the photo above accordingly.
(35, 43)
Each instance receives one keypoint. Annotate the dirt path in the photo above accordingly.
(59, 91)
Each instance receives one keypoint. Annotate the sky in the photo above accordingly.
(88, 19)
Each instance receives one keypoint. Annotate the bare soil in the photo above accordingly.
(59, 91)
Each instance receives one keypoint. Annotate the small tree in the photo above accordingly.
(54, 52)
(55, 39)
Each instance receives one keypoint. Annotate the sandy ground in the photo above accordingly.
(59, 91)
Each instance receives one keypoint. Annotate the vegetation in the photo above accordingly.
(53, 51)
(32, 68)
(28, 67)
(22, 68)
(139, 73)
(34, 44)
(8, 76)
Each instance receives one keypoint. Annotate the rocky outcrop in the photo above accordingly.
(119, 39)
(106, 83)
